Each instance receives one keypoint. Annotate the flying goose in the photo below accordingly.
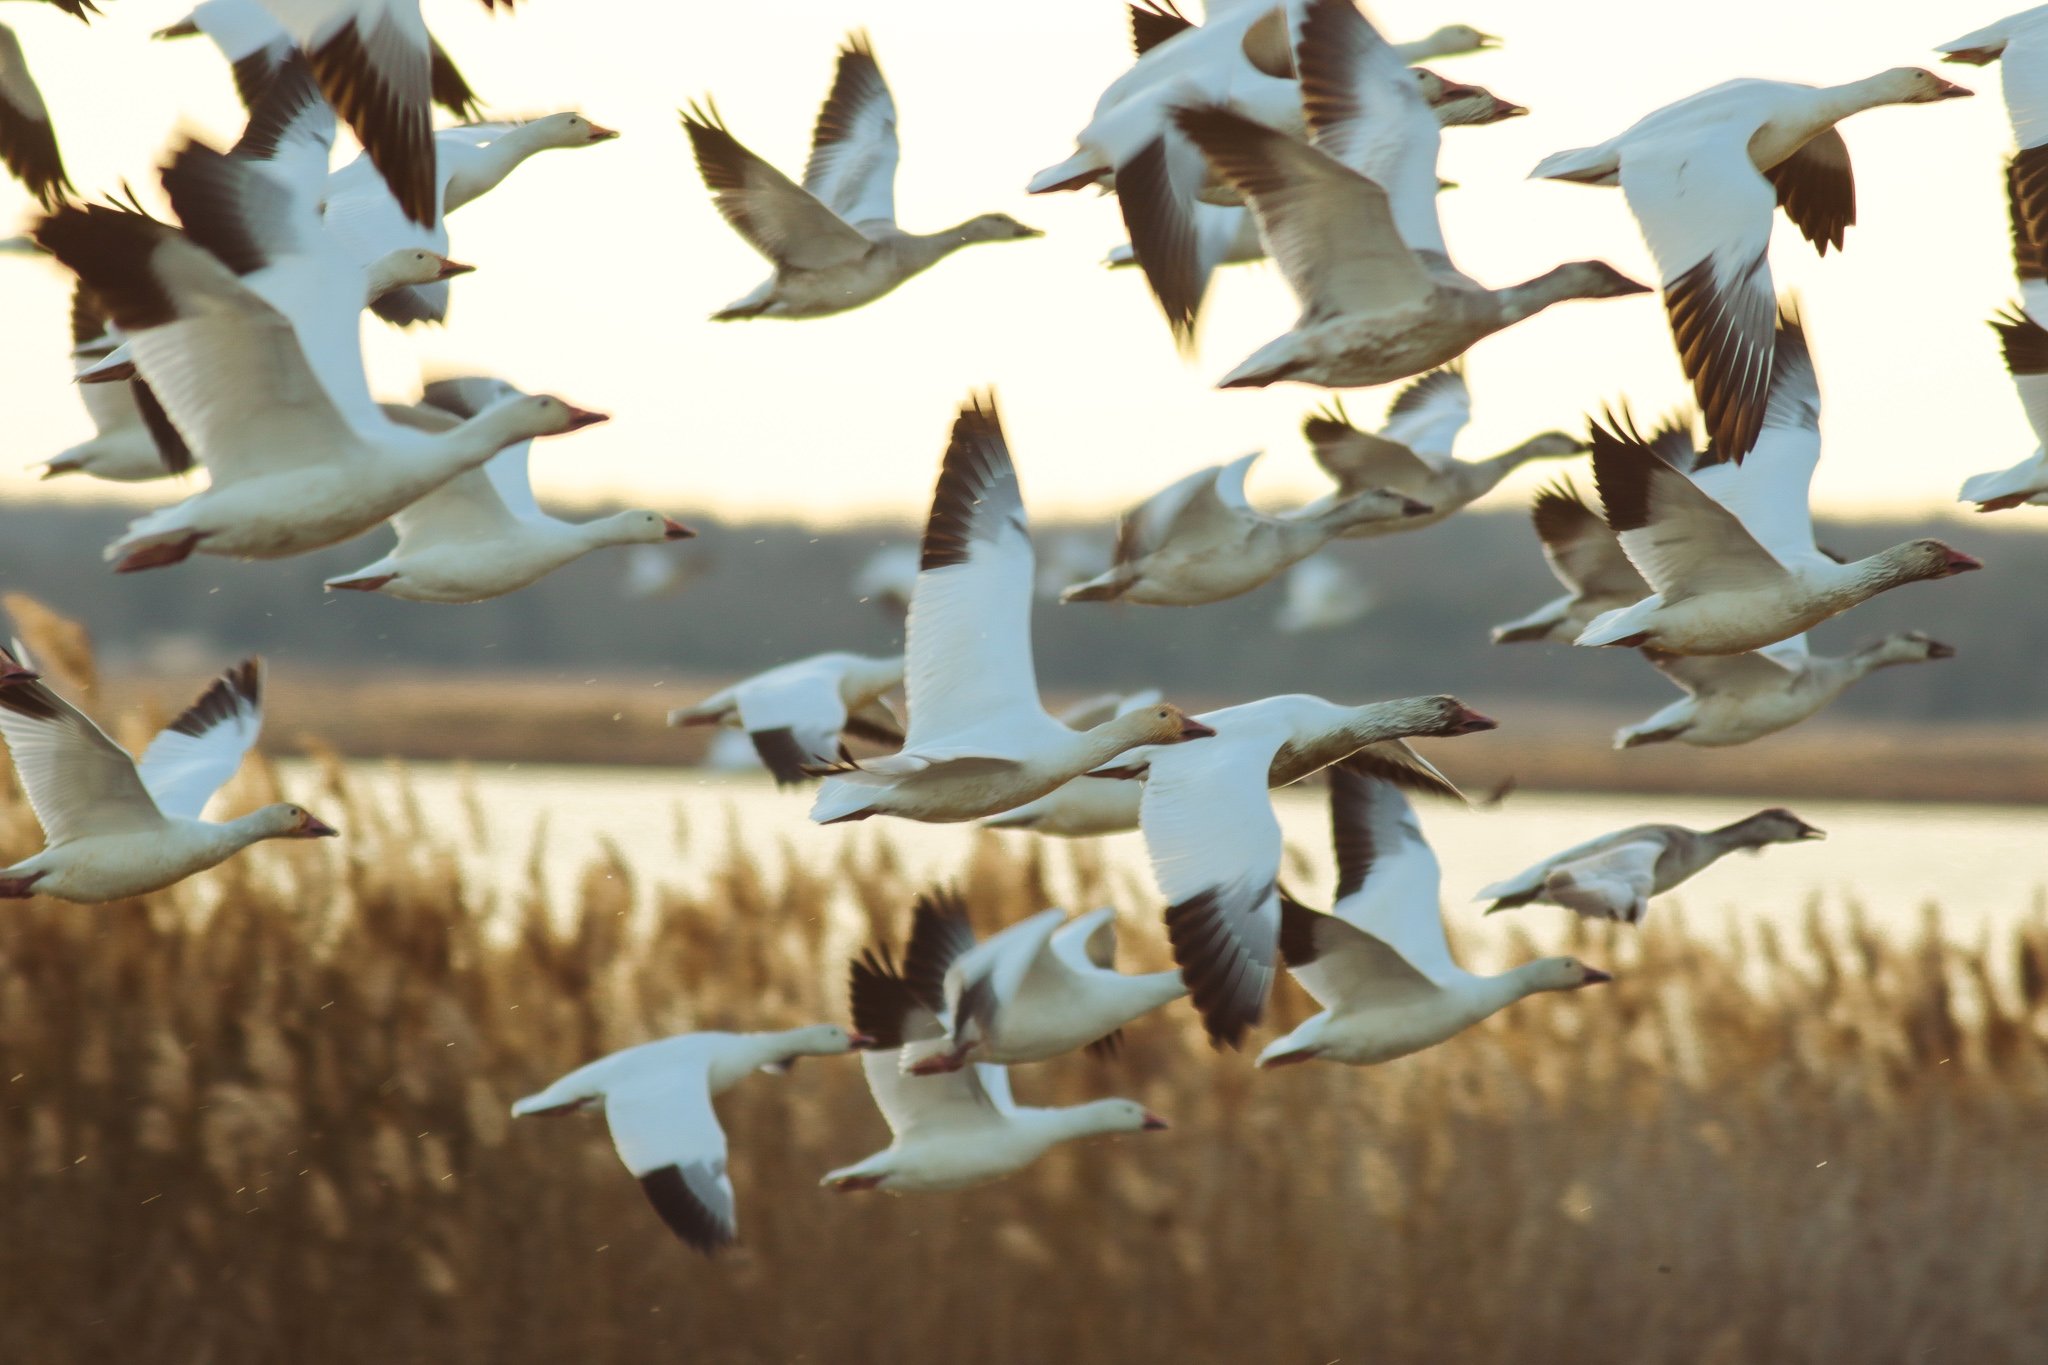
(116, 828)
(1701, 177)
(1323, 595)
(28, 144)
(795, 713)
(1379, 963)
(1614, 876)
(1041, 988)
(1736, 698)
(1411, 454)
(1586, 558)
(959, 1128)
(1214, 841)
(980, 740)
(289, 471)
(833, 240)
(132, 439)
(1728, 551)
(1351, 219)
(656, 1100)
(1199, 541)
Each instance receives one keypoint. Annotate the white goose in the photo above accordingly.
(1740, 697)
(1199, 541)
(116, 828)
(1041, 988)
(1614, 876)
(1586, 558)
(1323, 595)
(961, 1128)
(980, 740)
(833, 240)
(656, 1100)
(1728, 552)
(1701, 177)
(794, 714)
(1351, 220)
(481, 534)
(1215, 843)
(290, 473)
(1411, 453)
(28, 144)
(1379, 963)
(132, 440)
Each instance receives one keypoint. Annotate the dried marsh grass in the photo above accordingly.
(262, 1118)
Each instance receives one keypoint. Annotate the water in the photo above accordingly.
(1980, 863)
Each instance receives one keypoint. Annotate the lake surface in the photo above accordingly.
(1984, 865)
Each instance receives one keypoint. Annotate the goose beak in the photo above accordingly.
(1502, 109)
(1807, 831)
(671, 529)
(600, 133)
(859, 1042)
(1949, 90)
(313, 827)
(580, 418)
(1486, 41)
(1958, 562)
(1595, 977)
(185, 28)
(1190, 728)
(1937, 650)
(1153, 1124)
(450, 269)
(1470, 722)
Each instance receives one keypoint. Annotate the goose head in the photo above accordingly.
(1372, 505)
(1563, 974)
(1921, 559)
(995, 227)
(564, 130)
(1441, 716)
(640, 527)
(521, 417)
(1452, 40)
(1595, 280)
(1457, 105)
(1115, 1116)
(1906, 647)
(1915, 85)
(1551, 445)
(410, 266)
(1776, 826)
(286, 821)
(1161, 724)
(824, 1040)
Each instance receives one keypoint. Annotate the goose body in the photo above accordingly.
(116, 828)
(794, 714)
(1041, 988)
(1411, 455)
(132, 440)
(1741, 697)
(1214, 841)
(833, 240)
(1351, 220)
(481, 534)
(1616, 875)
(28, 142)
(656, 1099)
(958, 1128)
(1379, 963)
(1701, 177)
(980, 739)
(1728, 550)
(1200, 541)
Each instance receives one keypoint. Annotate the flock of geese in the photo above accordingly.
(229, 340)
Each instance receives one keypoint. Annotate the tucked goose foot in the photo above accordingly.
(853, 1184)
(851, 816)
(1307, 1054)
(369, 584)
(2005, 503)
(939, 1063)
(20, 888)
(159, 554)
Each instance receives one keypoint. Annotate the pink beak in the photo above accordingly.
(1190, 728)
(1470, 722)
(600, 133)
(859, 1042)
(580, 418)
(1958, 562)
(1594, 976)
(12, 672)
(1153, 1124)
(450, 269)
(313, 827)
(1951, 91)
(671, 529)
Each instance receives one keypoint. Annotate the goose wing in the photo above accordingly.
(1731, 674)
(1682, 541)
(777, 217)
(1427, 415)
(1816, 186)
(78, 781)
(669, 1137)
(1345, 967)
(793, 718)
(1583, 554)
(1769, 491)
(886, 1009)
(1359, 459)
(197, 753)
(852, 168)
(28, 143)
(1388, 879)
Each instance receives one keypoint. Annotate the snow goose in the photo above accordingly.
(833, 240)
(1701, 177)
(656, 1099)
(1379, 963)
(1351, 220)
(255, 45)
(117, 828)
(1736, 698)
(289, 472)
(132, 438)
(1200, 541)
(1041, 988)
(1586, 558)
(1322, 594)
(957, 1129)
(28, 144)
(1411, 454)
(481, 534)
(1215, 844)
(1728, 551)
(795, 713)
(1614, 876)
(980, 740)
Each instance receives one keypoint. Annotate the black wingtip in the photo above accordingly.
(233, 693)
(1227, 975)
(976, 478)
(782, 756)
(687, 1215)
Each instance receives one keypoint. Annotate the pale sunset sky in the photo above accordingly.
(597, 268)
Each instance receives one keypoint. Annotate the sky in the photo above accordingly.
(598, 268)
